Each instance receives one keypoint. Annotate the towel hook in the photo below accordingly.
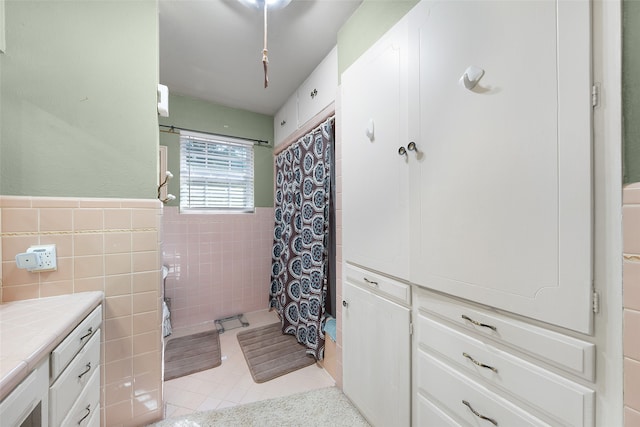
(471, 77)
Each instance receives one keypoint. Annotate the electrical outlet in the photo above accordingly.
(46, 257)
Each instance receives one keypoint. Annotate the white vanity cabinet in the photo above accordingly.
(27, 405)
(510, 371)
(375, 175)
(74, 393)
(377, 346)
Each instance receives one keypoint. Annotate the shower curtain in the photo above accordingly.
(299, 273)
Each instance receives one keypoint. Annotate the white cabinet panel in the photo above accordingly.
(83, 410)
(566, 401)
(67, 349)
(319, 90)
(376, 356)
(375, 177)
(466, 399)
(501, 196)
(428, 414)
(73, 380)
(285, 122)
(572, 355)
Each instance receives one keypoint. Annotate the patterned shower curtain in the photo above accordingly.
(301, 235)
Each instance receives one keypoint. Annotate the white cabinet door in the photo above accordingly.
(319, 90)
(376, 356)
(374, 176)
(285, 122)
(503, 215)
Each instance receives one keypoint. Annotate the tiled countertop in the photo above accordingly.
(30, 329)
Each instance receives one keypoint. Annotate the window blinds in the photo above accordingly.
(216, 173)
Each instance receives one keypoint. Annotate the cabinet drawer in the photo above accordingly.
(81, 414)
(570, 354)
(450, 389)
(428, 414)
(67, 349)
(94, 419)
(74, 379)
(567, 402)
(392, 289)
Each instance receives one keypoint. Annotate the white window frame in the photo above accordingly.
(211, 182)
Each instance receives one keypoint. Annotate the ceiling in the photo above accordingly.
(212, 49)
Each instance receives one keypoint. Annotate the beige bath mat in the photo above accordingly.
(270, 354)
(191, 353)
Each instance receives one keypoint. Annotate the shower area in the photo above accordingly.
(218, 266)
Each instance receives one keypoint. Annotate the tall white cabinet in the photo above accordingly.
(376, 177)
(501, 206)
(377, 346)
(466, 135)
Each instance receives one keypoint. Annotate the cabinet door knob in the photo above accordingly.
(412, 147)
(313, 93)
(402, 151)
(282, 123)
(345, 304)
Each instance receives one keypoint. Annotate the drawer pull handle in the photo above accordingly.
(88, 334)
(88, 368)
(88, 409)
(475, 322)
(371, 282)
(482, 365)
(479, 415)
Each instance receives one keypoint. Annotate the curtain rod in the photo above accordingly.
(172, 129)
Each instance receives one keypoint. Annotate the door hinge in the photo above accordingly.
(595, 90)
(596, 302)
(410, 328)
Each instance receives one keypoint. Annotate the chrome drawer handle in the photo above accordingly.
(479, 415)
(482, 365)
(88, 368)
(475, 322)
(88, 334)
(88, 409)
(371, 282)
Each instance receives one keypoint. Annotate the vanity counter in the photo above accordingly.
(31, 329)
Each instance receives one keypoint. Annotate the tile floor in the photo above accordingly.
(231, 384)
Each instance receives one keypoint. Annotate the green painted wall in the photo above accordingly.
(202, 116)
(631, 89)
(367, 24)
(78, 99)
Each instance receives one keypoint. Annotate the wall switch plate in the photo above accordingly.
(45, 258)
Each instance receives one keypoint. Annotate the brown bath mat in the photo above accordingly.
(270, 353)
(191, 353)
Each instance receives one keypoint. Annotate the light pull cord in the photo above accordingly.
(265, 60)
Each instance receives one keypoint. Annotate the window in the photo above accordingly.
(216, 173)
